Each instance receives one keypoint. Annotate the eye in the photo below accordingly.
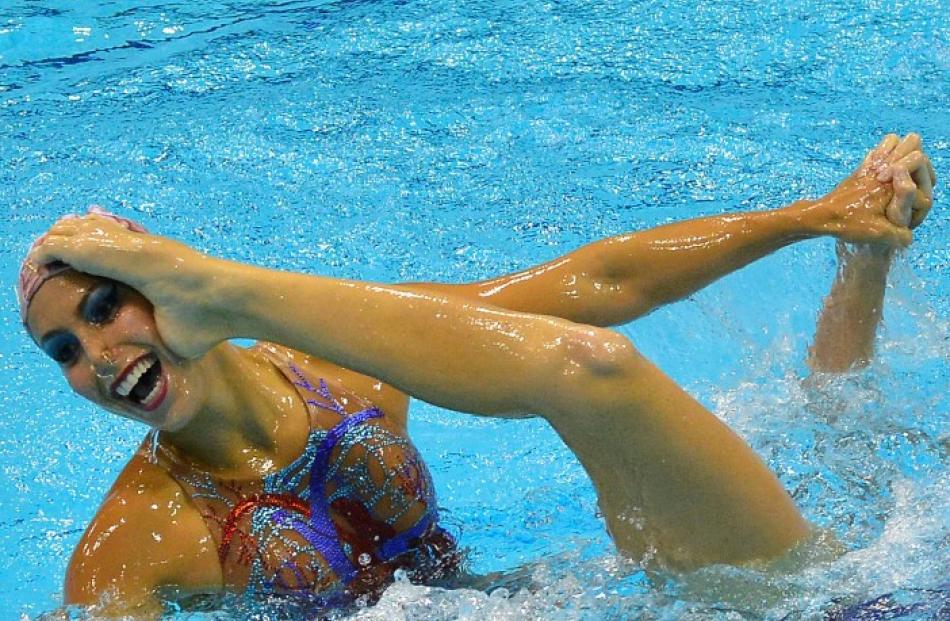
(102, 304)
(63, 347)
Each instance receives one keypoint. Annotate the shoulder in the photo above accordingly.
(344, 382)
(146, 535)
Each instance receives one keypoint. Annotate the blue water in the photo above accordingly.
(435, 140)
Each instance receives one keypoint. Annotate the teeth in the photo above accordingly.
(151, 396)
(130, 380)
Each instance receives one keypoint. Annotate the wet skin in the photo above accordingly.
(97, 330)
(229, 409)
(646, 411)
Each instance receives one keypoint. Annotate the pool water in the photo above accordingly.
(437, 140)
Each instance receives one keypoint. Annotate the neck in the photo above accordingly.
(245, 415)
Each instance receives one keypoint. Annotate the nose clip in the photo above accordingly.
(108, 363)
(103, 376)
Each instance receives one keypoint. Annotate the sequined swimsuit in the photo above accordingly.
(356, 505)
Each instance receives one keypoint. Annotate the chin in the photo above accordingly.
(174, 419)
(172, 424)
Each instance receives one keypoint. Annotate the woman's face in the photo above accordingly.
(103, 336)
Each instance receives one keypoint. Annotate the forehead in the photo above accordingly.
(56, 301)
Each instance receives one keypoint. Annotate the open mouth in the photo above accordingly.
(142, 383)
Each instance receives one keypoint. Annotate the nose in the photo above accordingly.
(107, 357)
(101, 356)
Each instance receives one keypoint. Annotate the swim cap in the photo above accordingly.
(33, 274)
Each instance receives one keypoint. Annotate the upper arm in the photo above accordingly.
(145, 537)
(370, 389)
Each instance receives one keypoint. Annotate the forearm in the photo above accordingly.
(847, 325)
(617, 279)
(441, 349)
(667, 263)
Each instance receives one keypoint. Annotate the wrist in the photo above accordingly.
(249, 299)
(866, 254)
(803, 219)
(848, 211)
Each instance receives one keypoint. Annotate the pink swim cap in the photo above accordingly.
(33, 275)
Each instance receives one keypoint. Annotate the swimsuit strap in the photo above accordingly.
(402, 543)
(321, 532)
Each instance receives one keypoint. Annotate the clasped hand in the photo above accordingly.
(889, 194)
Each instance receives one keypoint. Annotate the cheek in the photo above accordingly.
(134, 323)
(81, 378)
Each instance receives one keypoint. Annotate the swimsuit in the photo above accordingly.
(356, 505)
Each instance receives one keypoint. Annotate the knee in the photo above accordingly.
(591, 361)
(591, 353)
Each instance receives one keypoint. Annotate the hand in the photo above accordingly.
(179, 281)
(903, 163)
(889, 194)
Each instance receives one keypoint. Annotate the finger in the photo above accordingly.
(901, 206)
(872, 159)
(922, 206)
(891, 234)
(64, 227)
(901, 236)
(877, 156)
(96, 219)
(913, 162)
(885, 173)
(933, 173)
(910, 143)
(51, 248)
(918, 165)
(887, 144)
(57, 230)
(923, 201)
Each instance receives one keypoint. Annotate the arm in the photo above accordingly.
(844, 338)
(439, 348)
(144, 537)
(615, 280)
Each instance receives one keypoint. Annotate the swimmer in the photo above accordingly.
(286, 467)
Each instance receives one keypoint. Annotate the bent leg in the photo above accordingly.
(674, 482)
